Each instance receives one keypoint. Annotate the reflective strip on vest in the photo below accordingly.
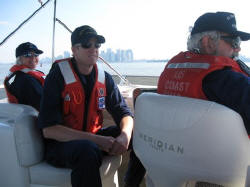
(67, 73)
(201, 65)
(26, 70)
(101, 74)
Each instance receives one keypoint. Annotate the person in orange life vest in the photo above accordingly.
(75, 93)
(208, 70)
(27, 86)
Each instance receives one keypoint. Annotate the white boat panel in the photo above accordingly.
(181, 139)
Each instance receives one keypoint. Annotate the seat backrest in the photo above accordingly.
(19, 131)
(181, 139)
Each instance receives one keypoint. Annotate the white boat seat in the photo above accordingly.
(22, 151)
(181, 139)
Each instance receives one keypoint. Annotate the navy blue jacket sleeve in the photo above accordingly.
(231, 89)
(115, 103)
(51, 102)
(27, 89)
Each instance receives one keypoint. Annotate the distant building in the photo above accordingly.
(66, 54)
(119, 56)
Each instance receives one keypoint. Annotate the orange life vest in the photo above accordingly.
(184, 73)
(73, 97)
(13, 70)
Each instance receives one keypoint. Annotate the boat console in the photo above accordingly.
(22, 150)
(181, 139)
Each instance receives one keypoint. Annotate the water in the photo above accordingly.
(131, 68)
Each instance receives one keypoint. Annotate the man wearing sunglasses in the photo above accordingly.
(76, 92)
(208, 70)
(27, 86)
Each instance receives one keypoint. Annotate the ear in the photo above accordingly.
(73, 49)
(208, 45)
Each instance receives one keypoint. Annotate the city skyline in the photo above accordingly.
(110, 55)
(119, 55)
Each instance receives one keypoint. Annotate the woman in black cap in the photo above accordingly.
(27, 86)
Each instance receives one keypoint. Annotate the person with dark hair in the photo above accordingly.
(76, 92)
(209, 70)
(27, 86)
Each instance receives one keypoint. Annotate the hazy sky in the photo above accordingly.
(153, 29)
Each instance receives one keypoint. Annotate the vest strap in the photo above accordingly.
(67, 72)
(101, 74)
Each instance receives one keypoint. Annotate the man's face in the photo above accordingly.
(87, 53)
(226, 46)
(30, 60)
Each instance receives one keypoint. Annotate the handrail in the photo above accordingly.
(63, 24)
(5, 39)
(119, 75)
(53, 35)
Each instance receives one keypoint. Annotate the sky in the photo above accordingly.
(153, 29)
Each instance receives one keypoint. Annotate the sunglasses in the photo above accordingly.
(232, 40)
(29, 55)
(89, 45)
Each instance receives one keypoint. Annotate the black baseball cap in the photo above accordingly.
(219, 21)
(83, 34)
(26, 48)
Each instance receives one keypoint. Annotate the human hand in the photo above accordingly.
(105, 143)
(120, 145)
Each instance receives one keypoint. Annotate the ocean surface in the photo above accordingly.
(129, 68)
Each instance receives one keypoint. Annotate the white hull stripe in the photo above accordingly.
(200, 65)
(67, 73)
(101, 74)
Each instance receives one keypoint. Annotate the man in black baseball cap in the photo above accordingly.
(208, 70)
(76, 92)
(26, 48)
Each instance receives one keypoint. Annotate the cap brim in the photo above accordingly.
(100, 38)
(243, 35)
(38, 51)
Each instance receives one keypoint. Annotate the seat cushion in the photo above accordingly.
(22, 120)
(45, 174)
